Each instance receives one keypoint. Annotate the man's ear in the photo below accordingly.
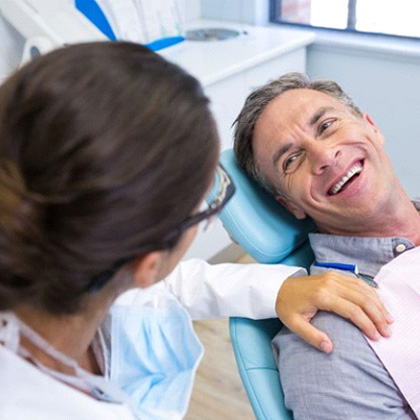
(146, 268)
(291, 207)
(369, 120)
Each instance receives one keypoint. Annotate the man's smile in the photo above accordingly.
(346, 179)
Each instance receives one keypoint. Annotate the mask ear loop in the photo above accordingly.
(95, 385)
(44, 345)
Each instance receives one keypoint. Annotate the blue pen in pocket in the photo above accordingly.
(348, 267)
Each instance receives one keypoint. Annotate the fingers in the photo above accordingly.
(360, 317)
(362, 305)
(299, 299)
(311, 335)
(378, 319)
(354, 299)
(375, 311)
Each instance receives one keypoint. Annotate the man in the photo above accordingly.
(321, 157)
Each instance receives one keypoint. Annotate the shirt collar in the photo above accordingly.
(369, 254)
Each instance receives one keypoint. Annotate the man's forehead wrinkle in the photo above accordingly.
(300, 126)
(319, 114)
(287, 119)
(267, 128)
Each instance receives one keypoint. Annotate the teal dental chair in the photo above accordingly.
(270, 235)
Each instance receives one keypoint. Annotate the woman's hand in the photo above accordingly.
(300, 298)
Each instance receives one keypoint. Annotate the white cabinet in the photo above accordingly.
(229, 70)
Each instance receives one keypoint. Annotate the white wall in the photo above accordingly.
(189, 10)
(387, 86)
(254, 12)
(11, 47)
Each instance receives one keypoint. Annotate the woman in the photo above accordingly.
(106, 152)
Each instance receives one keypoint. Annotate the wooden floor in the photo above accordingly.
(218, 392)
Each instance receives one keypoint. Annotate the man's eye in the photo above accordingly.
(288, 163)
(325, 125)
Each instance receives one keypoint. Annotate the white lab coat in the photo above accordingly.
(224, 290)
(205, 291)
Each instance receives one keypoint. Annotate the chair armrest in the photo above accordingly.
(251, 341)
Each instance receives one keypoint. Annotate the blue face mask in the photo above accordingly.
(154, 353)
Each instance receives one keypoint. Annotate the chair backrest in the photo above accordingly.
(256, 221)
(270, 234)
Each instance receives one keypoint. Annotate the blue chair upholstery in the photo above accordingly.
(270, 235)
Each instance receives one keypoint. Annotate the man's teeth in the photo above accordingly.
(356, 169)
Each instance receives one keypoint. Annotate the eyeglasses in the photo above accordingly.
(225, 191)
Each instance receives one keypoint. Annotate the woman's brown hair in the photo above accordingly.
(104, 149)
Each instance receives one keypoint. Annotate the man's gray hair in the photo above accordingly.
(255, 105)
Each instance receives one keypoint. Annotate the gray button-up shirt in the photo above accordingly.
(351, 382)
(369, 254)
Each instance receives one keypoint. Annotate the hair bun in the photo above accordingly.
(20, 216)
(17, 205)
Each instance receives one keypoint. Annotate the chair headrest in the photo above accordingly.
(256, 221)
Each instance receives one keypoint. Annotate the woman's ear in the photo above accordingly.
(146, 269)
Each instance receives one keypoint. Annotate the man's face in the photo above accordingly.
(327, 162)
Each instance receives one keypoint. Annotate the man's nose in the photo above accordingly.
(322, 156)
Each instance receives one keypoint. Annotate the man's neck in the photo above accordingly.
(396, 220)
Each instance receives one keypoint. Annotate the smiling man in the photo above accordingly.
(321, 157)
